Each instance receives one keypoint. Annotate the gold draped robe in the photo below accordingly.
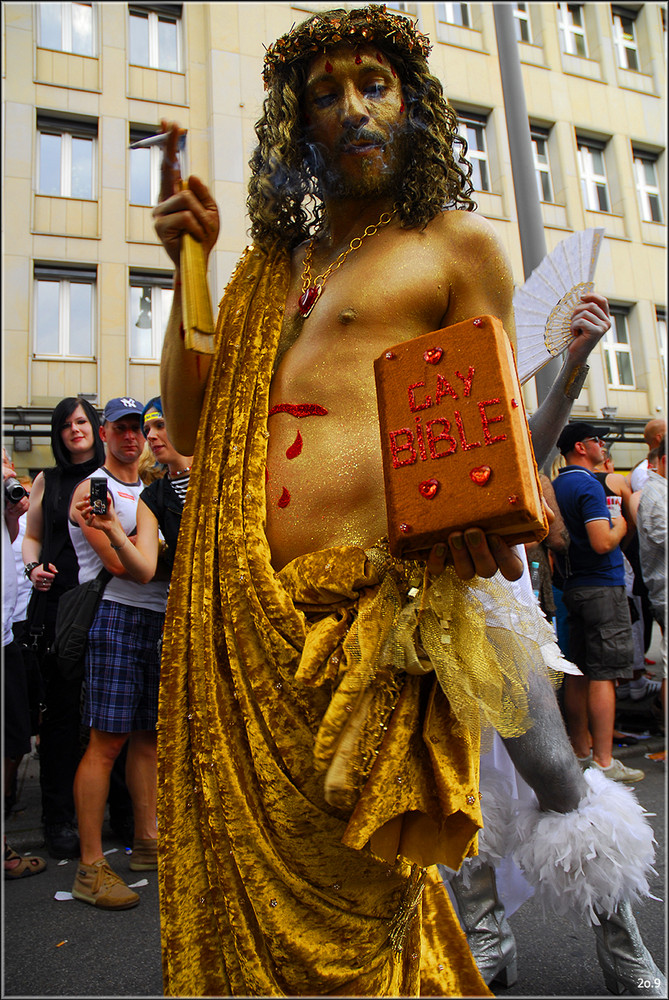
(268, 886)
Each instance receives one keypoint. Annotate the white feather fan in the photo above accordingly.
(544, 304)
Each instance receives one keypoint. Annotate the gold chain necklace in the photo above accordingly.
(311, 290)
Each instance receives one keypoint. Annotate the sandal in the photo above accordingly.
(31, 865)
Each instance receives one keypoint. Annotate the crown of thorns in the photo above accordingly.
(361, 26)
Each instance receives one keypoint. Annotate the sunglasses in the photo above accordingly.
(598, 440)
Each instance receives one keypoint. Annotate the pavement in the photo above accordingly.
(55, 946)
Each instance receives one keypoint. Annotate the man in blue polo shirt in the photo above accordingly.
(600, 628)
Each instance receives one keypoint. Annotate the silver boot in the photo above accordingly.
(626, 962)
(484, 922)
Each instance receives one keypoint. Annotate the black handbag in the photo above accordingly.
(76, 611)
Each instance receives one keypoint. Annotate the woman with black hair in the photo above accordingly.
(52, 568)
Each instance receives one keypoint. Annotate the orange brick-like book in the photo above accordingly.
(455, 441)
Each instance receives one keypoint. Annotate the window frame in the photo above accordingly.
(157, 281)
(155, 156)
(613, 346)
(591, 181)
(154, 13)
(623, 47)
(570, 31)
(522, 17)
(476, 120)
(66, 130)
(644, 190)
(448, 10)
(66, 34)
(660, 326)
(65, 277)
(541, 169)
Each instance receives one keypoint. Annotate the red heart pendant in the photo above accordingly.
(308, 299)
(429, 488)
(433, 355)
(405, 528)
(480, 475)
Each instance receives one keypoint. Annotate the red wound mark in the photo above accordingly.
(393, 71)
(402, 107)
(328, 67)
(358, 59)
(284, 499)
(295, 448)
(299, 409)
(379, 57)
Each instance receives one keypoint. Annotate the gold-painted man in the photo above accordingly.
(312, 770)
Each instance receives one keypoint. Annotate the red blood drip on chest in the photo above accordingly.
(358, 59)
(295, 448)
(299, 409)
(284, 499)
(328, 67)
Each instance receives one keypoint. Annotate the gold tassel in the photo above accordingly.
(407, 908)
(198, 319)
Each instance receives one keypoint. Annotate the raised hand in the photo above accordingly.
(191, 210)
(589, 322)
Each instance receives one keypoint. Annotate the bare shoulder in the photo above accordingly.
(478, 268)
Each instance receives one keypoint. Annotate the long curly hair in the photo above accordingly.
(285, 201)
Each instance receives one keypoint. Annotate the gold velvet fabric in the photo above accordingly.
(306, 783)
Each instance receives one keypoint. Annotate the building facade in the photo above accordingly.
(87, 287)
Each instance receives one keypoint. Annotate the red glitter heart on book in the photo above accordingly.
(428, 488)
(480, 475)
(433, 355)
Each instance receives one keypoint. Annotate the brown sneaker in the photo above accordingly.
(98, 885)
(144, 855)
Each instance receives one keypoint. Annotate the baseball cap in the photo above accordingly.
(152, 411)
(122, 406)
(578, 431)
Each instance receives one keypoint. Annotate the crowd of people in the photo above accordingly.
(86, 720)
(336, 726)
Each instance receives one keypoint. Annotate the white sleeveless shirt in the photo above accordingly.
(151, 596)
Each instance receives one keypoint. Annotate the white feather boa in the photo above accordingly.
(586, 860)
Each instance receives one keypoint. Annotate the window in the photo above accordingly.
(64, 311)
(66, 157)
(618, 353)
(571, 22)
(454, 13)
(67, 27)
(150, 305)
(472, 128)
(593, 175)
(661, 322)
(154, 35)
(521, 19)
(645, 173)
(624, 37)
(542, 165)
(144, 169)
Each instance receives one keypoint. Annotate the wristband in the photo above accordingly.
(29, 568)
(576, 381)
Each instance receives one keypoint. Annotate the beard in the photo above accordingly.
(374, 179)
